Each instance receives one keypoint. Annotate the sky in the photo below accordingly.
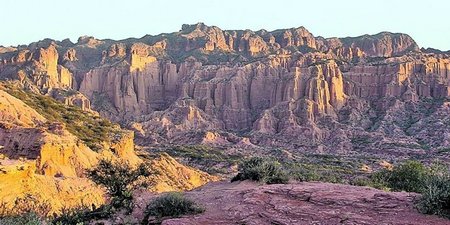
(26, 21)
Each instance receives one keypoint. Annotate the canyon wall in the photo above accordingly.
(258, 82)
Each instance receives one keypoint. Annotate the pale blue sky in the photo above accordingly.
(25, 21)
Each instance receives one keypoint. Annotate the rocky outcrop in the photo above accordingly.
(43, 162)
(170, 175)
(40, 159)
(14, 111)
(72, 98)
(401, 76)
(299, 203)
(384, 44)
(22, 188)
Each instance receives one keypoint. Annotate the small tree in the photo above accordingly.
(118, 178)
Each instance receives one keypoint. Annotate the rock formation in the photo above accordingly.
(43, 162)
(283, 88)
(299, 203)
(170, 175)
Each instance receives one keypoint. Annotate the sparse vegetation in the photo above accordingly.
(90, 128)
(27, 210)
(265, 170)
(172, 204)
(24, 219)
(208, 159)
(81, 215)
(435, 197)
(412, 176)
(409, 176)
(118, 178)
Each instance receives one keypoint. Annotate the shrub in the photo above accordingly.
(23, 205)
(435, 197)
(375, 180)
(24, 219)
(79, 216)
(118, 178)
(171, 205)
(268, 171)
(26, 210)
(408, 176)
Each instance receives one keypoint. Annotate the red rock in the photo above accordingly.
(300, 203)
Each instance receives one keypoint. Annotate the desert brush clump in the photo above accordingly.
(119, 178)
(26, 210)
(409, 176)
(173, 204)
(432, 182)
(435, 198)
(264, 170)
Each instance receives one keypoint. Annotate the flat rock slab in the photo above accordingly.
(301, 203)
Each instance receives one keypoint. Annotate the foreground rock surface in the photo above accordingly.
(300, 203)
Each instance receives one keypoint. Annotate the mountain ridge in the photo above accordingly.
(67, 40)
(284, 88)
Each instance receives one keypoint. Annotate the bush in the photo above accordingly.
(435, 197)
(171, 205)
(25, 219)
(118, 179)
(79, 216)
(409, 176)
(260, 169)
(433, 183)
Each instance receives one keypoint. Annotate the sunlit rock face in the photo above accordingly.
(44, 162)
(277, 88)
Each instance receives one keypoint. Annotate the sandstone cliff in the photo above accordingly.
(43, 159)
(44, 162)
(282, 88)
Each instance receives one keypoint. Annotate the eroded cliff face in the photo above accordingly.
(41, 161)
(284, 88)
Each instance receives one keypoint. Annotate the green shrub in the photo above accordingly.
(375, 180)
(25, 219)
(435, 197)
(409, 176)
(172, 204)
(118, 178)
(268, 171)
(432, 182)
(81, 215)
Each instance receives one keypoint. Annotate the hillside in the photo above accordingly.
(46, 147)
